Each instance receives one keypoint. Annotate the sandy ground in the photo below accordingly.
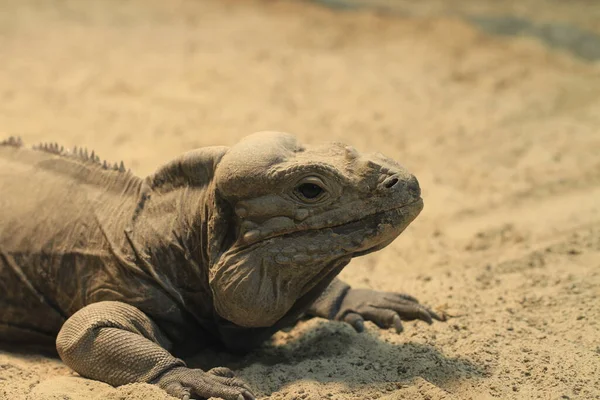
(502, 132)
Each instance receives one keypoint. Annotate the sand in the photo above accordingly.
(502, 132)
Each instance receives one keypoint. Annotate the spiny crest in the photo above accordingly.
(80, 154)
(12, 141)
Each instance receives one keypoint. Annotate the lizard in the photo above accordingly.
(126, 276)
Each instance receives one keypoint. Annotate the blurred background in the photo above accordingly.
(494, 105)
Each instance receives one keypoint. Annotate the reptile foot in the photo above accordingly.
(183, 383)
(385, 309)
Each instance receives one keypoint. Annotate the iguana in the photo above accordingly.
(221, 245)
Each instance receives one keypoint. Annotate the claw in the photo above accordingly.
(398, 324)
(431, 315)
(356, 321)
(438, 317)
(359, 325)
(425, 316)
(247, 396)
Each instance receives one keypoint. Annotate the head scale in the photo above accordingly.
(297, 213)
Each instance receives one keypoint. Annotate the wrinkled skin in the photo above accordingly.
(221, 244)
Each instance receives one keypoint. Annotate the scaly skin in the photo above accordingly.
(221, 244)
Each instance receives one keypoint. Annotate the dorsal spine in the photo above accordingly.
(12, 141)
(80, 154)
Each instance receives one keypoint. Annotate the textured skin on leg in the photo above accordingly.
(116, 343)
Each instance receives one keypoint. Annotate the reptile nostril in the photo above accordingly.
(391, 182)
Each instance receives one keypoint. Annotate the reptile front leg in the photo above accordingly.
(386, 309)
(118, 344)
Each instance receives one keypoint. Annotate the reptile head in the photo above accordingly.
(299, 213)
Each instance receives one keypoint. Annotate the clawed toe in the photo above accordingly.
(182, 382)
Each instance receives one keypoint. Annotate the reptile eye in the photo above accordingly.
(310, 190)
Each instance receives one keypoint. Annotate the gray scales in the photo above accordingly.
(126, 276)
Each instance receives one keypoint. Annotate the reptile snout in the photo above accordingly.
(397, 182)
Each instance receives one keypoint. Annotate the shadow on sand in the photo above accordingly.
(333, 352)
(324, 352)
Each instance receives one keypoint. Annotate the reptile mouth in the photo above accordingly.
(341, 229)
(355, 225)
